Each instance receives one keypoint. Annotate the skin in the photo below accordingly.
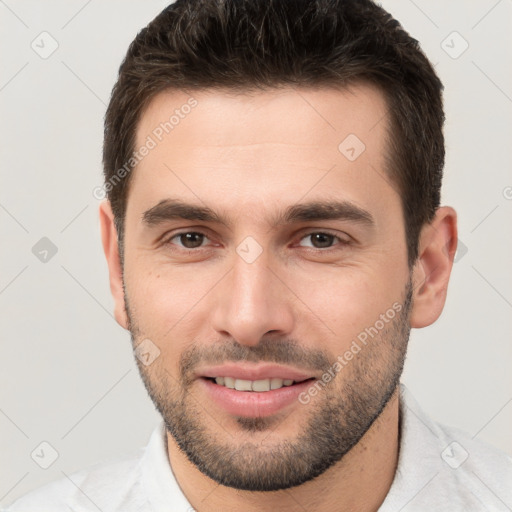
(248, 157)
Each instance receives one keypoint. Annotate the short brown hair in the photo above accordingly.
(260, 44)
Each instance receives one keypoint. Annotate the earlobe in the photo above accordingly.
(437, 246)
(111, 250)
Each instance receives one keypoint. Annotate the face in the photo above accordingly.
(265, 249)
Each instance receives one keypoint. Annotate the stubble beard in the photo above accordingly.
(332, 424)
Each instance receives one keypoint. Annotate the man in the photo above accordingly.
(273, 230)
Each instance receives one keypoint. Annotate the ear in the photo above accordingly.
(431, 273)
(111, 249)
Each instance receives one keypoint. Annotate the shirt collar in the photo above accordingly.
(158, 479)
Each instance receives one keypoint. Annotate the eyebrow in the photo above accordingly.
(176, 209)
(171, 209)
(327, 210)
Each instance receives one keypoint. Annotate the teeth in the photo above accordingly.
(261, 385)
(243, 385)
(276, 383)
(253, 385)
(229, 382)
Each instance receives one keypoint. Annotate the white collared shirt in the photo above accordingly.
(440, 469)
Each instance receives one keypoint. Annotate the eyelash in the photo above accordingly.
(341, 242)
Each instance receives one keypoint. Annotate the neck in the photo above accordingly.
(360, 481)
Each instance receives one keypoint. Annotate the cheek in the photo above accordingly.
(162, 306)
(346, 301)
(164, 297)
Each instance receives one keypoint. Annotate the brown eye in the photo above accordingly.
(320, 240)
(189, 240)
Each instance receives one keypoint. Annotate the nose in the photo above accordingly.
(252, 302)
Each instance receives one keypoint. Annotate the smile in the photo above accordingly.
(259, 386)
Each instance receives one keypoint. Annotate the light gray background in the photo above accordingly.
(67, 373)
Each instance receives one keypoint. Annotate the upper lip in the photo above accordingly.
(247, 371)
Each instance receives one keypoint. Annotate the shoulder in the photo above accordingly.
(476, 466)
(444, 469)
(455, 448)
(100, 486)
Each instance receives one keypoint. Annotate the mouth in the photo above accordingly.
(253, 391)
(258, 386)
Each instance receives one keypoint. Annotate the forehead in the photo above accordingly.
(273, 115)
(263, 147)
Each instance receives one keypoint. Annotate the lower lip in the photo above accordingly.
(253, 403)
